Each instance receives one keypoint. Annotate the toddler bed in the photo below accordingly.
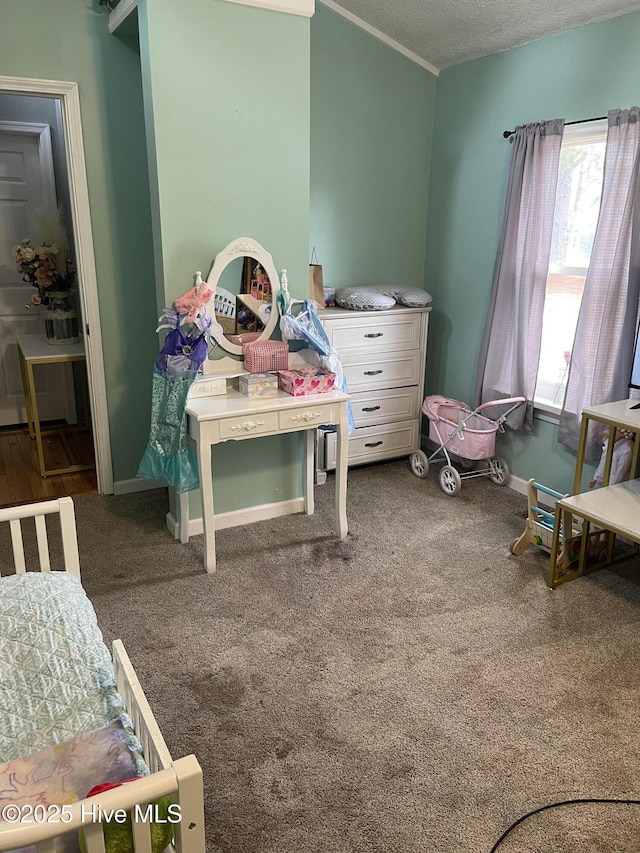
(83, 764)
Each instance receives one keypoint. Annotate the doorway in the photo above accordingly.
(57, 135)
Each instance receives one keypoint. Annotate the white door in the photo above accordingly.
(27, 191)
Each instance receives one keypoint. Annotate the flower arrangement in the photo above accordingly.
(46, 265)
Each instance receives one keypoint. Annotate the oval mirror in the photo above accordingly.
(245, 284)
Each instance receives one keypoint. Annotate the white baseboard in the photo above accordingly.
(136, 484)
(236, 517)
(518, 484)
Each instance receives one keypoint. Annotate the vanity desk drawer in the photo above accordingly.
(254, 424)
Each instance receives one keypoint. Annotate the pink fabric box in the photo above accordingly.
(305, 380)
(265, 356)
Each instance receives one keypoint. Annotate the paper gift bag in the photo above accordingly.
(316, 284)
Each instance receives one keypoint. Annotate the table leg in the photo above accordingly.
(26, 392)
(183, 500)
(204, 448)
(310, 443)
(555, 542)
(37, 432)
(342, 452)
(582, 444)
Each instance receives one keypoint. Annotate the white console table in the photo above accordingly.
(234, 417)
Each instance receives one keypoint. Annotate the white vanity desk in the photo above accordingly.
(233, 417)
(217, 412)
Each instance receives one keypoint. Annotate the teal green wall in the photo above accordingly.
(226, 91)
(371, 128)
(576, 75)
(69, 40)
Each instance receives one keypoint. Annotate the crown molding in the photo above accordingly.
(377, 34)
(306, 8)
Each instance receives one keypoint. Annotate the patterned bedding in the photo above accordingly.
(56, 675)
(64, 774)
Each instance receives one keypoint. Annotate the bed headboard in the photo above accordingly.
(38, 558)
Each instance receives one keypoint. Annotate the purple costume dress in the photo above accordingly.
(169, 457)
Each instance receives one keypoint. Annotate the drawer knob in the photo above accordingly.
(374, 334)
(370, 408)
(373, 444)
(372, 372)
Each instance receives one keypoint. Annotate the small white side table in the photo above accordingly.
(34, 350)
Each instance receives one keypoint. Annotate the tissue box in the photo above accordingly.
(305, 380)
(258, 384)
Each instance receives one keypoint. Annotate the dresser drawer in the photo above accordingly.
(254, 424)
(369, 333)
(370, 444)
(379, 407)
(383, 370)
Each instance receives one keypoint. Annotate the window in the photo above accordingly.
(575, 217)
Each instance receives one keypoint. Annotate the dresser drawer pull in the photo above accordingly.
(370, 408)
(374, 334)
(372, 372)
(248, 426)
(373, 443)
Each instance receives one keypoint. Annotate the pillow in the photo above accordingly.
(412, 297)
(363, 299)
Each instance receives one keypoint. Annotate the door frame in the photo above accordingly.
(68, 95)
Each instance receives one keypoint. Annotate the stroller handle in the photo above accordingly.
(504, 402)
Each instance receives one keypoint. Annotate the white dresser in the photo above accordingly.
(383, 354)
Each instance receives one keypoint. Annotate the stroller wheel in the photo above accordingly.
(419, 464)
(499, 471)
(450, 480)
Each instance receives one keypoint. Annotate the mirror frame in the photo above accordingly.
(245, 247)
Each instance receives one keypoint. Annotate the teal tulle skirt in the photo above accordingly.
(168, 457)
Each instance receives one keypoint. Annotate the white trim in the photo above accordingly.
(522, 487)
(135, 484)
(69, 98)
(239, 516)
(306, 8)
(121, 13)
(380, 36)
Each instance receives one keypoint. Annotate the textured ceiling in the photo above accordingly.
(447, 32)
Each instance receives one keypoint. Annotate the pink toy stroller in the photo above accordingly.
(470, 436)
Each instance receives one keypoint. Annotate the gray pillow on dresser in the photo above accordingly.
(363, 299)
(412, 297)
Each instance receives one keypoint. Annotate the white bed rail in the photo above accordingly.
(16, 515)
(147, 730)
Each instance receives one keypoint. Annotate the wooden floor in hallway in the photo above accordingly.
(20, 480)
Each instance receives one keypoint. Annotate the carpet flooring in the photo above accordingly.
(413, 688)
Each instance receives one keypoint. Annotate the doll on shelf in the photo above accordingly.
(621, 460)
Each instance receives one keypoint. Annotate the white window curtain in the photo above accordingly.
(510, 347)
(603, 347)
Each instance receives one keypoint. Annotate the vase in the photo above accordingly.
(60, 319)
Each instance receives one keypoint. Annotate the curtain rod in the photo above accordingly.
(508, 133)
